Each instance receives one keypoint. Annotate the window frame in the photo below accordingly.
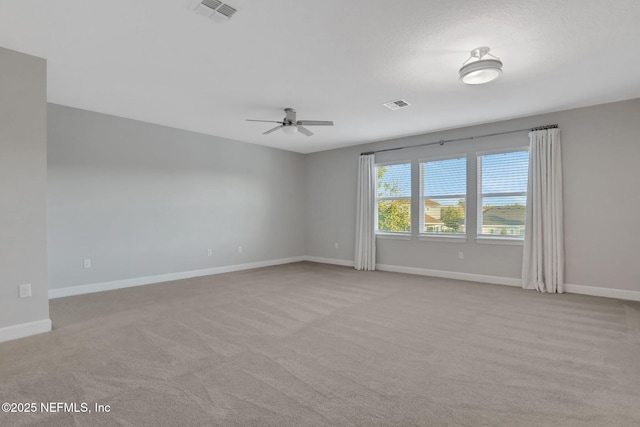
(426, 235)
(402, 235)
(503, 238)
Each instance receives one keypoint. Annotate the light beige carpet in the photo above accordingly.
(308, 344)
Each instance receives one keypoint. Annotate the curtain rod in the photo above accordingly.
(442, 142)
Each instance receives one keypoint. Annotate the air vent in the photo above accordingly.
(207, 7)
(214, 9)
(212, 4)
(396, 105)
(226, 10)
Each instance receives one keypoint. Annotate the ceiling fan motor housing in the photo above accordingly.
(290, 118)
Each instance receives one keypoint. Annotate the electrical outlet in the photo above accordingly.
(25, 290)
(87, 263)
(460, 255)
(239, 249)
(209, 252)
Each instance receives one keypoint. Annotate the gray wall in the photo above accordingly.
(23, 174)
(142, 200)
(601, 148)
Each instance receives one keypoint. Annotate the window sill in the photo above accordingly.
(499, 241)
(393, 236)
(442, 238)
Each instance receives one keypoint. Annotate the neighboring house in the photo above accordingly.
(432, 215)
(433, 218)
(434, 209)
(504, 220)
(432, 224)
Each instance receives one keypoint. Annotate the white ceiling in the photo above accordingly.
(340, 60)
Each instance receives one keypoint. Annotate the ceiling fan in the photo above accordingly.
(290, 125)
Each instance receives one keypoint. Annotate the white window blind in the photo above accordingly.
(443, 196)
(502, 193)
(393, 198)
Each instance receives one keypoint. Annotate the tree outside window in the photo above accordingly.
(393, 197)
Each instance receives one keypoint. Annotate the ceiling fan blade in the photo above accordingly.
(304, 131)
(315, 123)
(264, 121)
(272, 130)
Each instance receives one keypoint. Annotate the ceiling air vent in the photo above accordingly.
(396, 105)
(226, 10)
(214, 9)
(207, 7)
(212, 4)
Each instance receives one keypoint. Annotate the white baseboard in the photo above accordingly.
(24, 330)
(39, 327)
(425, 272)
(139, 281)
(602, 292)
(333, 261)
(496, 280)
(569, 288)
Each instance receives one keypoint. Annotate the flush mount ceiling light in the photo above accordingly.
(481, 70)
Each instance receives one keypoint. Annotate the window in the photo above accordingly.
(393, 198)
(502, 193)
(443, 196)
